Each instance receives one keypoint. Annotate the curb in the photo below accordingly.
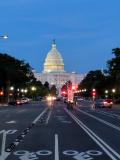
(3, 105)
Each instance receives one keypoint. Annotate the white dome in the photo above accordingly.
(54, 61)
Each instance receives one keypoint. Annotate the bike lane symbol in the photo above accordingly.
(88, 155)
(4, 133)
(26, 155)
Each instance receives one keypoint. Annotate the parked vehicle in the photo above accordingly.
(103, 103)
(24, 100)
(18, 102)
(70, 105)
(15, 102)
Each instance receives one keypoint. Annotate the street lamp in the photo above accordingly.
(7, 90)
(11, 93)
(11, 88)
(22, 90)
(25, 90)
(106, 93)
(33, 89)
(113, 91)
(4, 37)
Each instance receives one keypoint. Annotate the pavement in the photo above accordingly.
(42, 132)
(3, 104)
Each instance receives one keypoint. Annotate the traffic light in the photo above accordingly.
(64, 93)
(74, 87)
(93, 93)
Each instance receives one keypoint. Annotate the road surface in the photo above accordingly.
(40, 132)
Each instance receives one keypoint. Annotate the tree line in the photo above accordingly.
(18, 73)
(104, 81)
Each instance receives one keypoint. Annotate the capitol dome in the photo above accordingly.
(53, 61)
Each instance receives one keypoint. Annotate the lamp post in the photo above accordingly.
(3, 36)
(106, 93)
(11, 88)
(113, 93)
(11, 93)
(33, 90)
(7, 90)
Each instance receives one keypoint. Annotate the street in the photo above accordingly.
(37, 131)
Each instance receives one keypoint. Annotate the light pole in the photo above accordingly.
(113, 91)
(3, 36)
(106, 93)
(33, 90)
(11, 92)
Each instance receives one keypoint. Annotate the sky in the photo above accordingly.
(86, 31)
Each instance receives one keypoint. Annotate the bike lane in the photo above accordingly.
(11, 130)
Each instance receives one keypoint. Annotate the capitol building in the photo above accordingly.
(54, 72)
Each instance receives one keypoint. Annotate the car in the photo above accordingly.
(70, 105)
(15, 102)
(59, 98)
(24, 100)
(103, 103)
(18, 102)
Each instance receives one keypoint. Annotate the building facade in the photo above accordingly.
(53, 70)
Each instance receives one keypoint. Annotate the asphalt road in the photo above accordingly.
(40, 132)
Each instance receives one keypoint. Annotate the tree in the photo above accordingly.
(53, 90)
(94, 79)
(46, 85)
(113, 71)
(14, 72)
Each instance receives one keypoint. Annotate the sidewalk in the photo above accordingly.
(3, 105)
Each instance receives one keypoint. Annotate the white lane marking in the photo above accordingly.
(38, 117)
(100, 120)
(108, 114)
(104, 113)
(8, 131)
(56, 147)
(3, 143)
(4, 154)
(103, 145)
(49, 114)
(11, 122)
(3, 157)
(23, 110)
(68, 122)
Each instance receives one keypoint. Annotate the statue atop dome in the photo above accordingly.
(54, 41)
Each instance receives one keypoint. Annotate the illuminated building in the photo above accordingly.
(54, 72)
